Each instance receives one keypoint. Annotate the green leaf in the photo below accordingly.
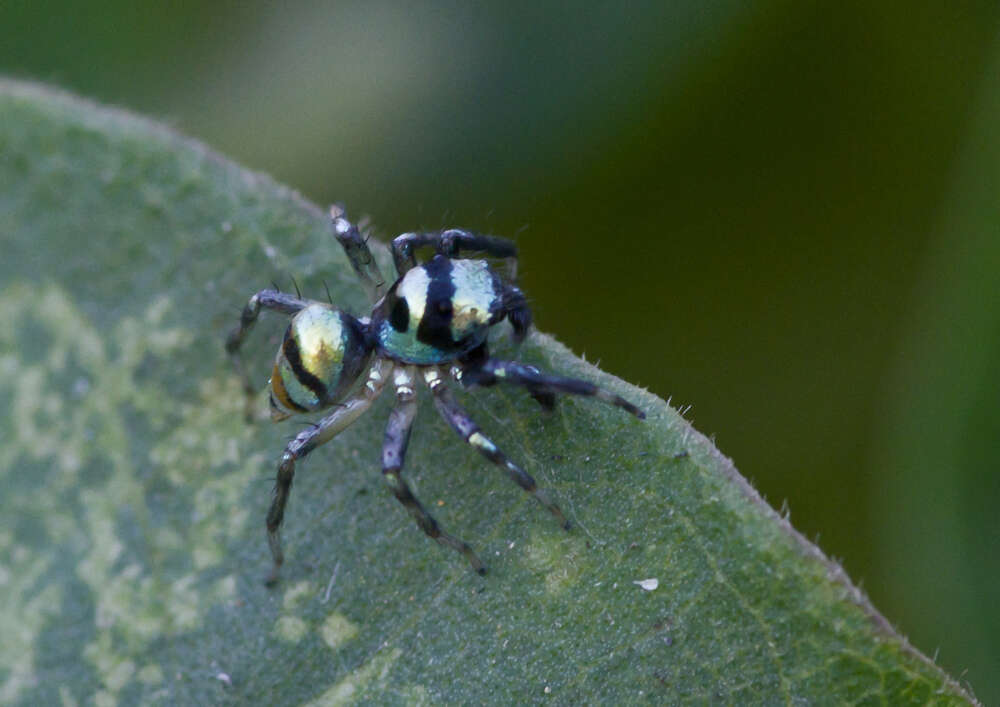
(132, 552)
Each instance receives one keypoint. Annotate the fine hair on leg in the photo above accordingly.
(448, 243)
(494, 371)
(397, 437)
(307, 440)
(265, 299)
(358, 253)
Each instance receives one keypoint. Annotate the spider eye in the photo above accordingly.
(399, 315)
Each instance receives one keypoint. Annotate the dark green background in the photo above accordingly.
(815, 186)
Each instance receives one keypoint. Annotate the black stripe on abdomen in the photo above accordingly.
(290, 349)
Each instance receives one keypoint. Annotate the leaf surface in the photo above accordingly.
(132, 553)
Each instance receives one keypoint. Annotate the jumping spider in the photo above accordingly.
(433, 321)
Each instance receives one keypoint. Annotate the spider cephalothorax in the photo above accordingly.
(432, 322)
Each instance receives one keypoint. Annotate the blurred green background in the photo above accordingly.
(783, 214)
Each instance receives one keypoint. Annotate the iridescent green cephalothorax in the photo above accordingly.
(438, 311)
(432, 323)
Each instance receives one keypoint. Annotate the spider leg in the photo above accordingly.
(358, 253)
(307, 440)
(265, 299)
(515, 306)
(545, 398)
(495, 371)
(448, 243)
(479, 356)
(468, 430)
(397, 437)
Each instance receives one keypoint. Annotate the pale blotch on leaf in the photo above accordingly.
(115, 671)
(151, 675)
(348, 690)
(206, 555)
(119, 676)
(30, 609)
(296, 594)
(557, 556)
(225, 588)
(184, 603)
(291, 629)
(337, 630)
(66, 697)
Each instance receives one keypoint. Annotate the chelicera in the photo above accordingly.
(432, 323)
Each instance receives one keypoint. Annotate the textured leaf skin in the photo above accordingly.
(132, 552)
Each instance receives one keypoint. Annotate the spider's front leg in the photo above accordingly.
(329, 427)
(449, 244)
(397, 438)
(265, 299)
(494, 371)
(358, 253)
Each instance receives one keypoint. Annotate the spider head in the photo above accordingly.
(438, 311)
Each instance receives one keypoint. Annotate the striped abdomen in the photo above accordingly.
(323, 353)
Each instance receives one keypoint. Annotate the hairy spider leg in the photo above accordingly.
(448, 243)
(304, 442)
(265, 299)
(495, 371)
(515, 305)
(468, 430)
(358, 253)
(475, 359)
(545, 397)
(397, 437)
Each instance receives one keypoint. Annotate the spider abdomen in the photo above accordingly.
(322, 354)
(438, 311)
